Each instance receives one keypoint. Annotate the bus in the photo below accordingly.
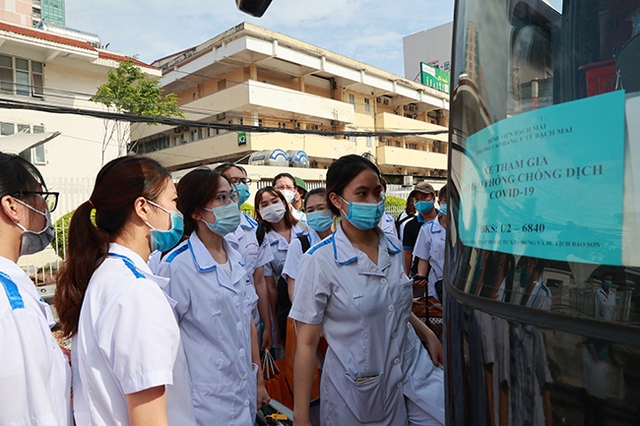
(542, 276)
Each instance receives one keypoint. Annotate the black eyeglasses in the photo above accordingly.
(235, 180)
(51, 198)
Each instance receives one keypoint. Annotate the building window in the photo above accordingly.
(352, 99)
(367, 105)
(369, 141)
(34, 155)
(412, 146)
(21, 76)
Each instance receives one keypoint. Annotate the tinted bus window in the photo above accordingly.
(543, 261)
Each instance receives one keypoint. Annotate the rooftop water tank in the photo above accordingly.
(92, 39)
(275, 157)
(298, 158)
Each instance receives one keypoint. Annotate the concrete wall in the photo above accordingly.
(427, 46)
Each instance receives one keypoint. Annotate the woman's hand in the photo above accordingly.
(263, 395)
(434, 347)
(267, 339)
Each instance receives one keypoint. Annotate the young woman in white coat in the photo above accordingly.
(128, 364)
(214, 301)
(320, 223)
(280, 228)
(352, 288)
(254, 255)
(34, 374)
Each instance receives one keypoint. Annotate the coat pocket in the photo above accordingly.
(365, 397)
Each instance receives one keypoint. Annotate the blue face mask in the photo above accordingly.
(424, 206)
(364, 215)
(227, 219)
(242, 193)
(443, 209)
(165, 240)
(320, 220)
(608, 284)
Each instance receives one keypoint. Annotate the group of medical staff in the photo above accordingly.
(164, 289)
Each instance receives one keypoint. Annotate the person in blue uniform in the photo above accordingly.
(34, 374)
(127, 358)
(352, 288)
(214, 300)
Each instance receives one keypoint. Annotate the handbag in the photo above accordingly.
(285, 366)
(273, 379)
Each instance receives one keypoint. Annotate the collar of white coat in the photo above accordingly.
(133, 260)
(277, 239)
(247, 223)
(205, 262)
(434, 225)
(26, 287)
(345, 253)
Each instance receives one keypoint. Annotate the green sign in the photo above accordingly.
(242, 138)
(434, 77)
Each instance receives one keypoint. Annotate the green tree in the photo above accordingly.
(129, 90)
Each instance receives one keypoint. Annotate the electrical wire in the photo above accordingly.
(108, 115)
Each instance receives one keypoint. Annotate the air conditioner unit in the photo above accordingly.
(436, 143)
(379, 99)
(335, 122)
(413, 108)
(405, 107)
(221, 117)
(385, 101)
(383, 139)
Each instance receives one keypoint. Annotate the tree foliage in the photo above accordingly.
(130, 91)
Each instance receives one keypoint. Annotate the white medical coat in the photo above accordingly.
(375, 359)
(244, 241)
(214, 313)
(430, 246)
(290, 268)
(279, 247)
(605, 305)
(128, 340)
(388, 224)
(35, 378)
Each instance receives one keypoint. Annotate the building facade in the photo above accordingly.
(48, 69)
(253, 76)
(29, 13)
(432, 46)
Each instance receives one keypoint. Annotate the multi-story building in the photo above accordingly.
(29, 13)
(253, 76)
(432, 46)
(52, 11)
(48, 69)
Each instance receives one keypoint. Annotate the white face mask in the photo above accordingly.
(289, 195)
(273, 213)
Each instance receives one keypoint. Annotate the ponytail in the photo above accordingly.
(118, 184)
(88, 246)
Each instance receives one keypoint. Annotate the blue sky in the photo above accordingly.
(367, 30)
